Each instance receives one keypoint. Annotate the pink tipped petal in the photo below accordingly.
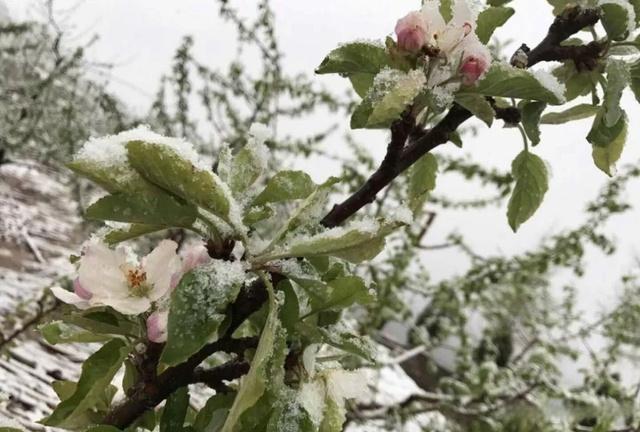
(81, 291)
(175, 280)
(195, 256)
(157, 326)
(70, 298)
(160, 266)
(412, 32)
(476, 60)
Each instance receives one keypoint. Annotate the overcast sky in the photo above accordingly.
(140, 37)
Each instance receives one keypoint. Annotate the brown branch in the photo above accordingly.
(400, 156)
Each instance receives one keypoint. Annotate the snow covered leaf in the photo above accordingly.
(618, 18)
(578, 112)
(165, 167)
(618, 78)
(530, 174)
(118, 235)
(255, 214)
(608, 143)
(490, 19)
(348, 342)
(285, 186)
(175, 411)
(308, 212)
(290, 311)
(56, 332)
(250, 162)
(97, 372)
(342, 293)
(198, 306)
(359, 61)
(289, 416)
(531, 115)
(155, 209)
(356, 242)
(391, 93)
(478, 106)
(504, 80)
(254, 384)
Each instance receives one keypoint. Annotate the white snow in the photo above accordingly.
(626, 5)
(551, 83)
(312, 396)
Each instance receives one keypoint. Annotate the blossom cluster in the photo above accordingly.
(426, 31)
(116, 278)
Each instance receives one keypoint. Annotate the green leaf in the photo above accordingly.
(531, 115)
(256, 214)
(446, 9)
(490, 19)
(160, 209)
(606, 155)
(285, 186)
(342, 293)
(247, 166)
(357, 242)
(355, 57)
(506, 81)
(97, 372)
(616, 19)
(290, 312)
(119, 235)
(578, 112)
(254, 384)
(353, 344)
(106, 322)
(577, 83)
(618, 77)
(391, 93)
(198, 308)
(530, 174)
(635, 79)
(359, 61)
(164, 167)
(57, 332)
(211, 417)
(478, 106)
(307, 213)
(103, 428)
(361, 83)
(422, 180)
(498, 2)
(175, 411)
(602, 135)
(334, 416)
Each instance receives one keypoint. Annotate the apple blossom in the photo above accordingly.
(412, 32)
(108, 277)
(447, 36)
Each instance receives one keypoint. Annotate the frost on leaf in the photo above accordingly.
(530, 174)
(198, 306)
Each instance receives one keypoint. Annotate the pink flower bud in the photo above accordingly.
(476, 60)
(472, 69)
(412, 32)
(157, 326)
(81, 291)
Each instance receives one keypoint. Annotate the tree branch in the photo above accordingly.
(400, 156)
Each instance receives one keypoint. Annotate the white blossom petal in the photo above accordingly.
(100, 271)
(69, 297)
(160, 266)
(125, 305)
